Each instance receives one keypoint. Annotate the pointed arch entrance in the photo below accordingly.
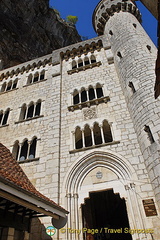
(83, 179)
(106, 213)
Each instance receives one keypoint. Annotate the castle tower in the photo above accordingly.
(134, 55)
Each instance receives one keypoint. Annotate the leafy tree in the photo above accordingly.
(72, 19)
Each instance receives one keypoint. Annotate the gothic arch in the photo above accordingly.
(79, 170)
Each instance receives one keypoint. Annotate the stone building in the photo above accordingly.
(84, 125)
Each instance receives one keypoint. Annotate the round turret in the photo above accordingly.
(134, 58)
(106, 8)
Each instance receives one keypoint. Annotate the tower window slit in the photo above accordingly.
(132, 87)
(148, 131)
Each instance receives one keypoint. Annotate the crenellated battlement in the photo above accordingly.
(106, 8)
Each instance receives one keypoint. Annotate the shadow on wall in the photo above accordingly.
(38, 231)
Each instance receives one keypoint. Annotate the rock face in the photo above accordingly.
(30, 29)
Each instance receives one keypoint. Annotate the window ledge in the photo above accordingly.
(28, 119)
(28, 160)
(8, 91)
(89, 103)
(83, 68)
(30, 84)
(94, 146)
(5, 125)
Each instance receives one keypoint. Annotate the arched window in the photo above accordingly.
(24, 151)
(86, 61)
(74, 64)
(9, 86)
(23, 112)
(87, 136)
(83, 95)
(80, 63)
(30, 79)
(78, 138)
(15, 151)
(30, 110)
(93, 59)
(107, 132)
(97, 134)
(38, 108)
(36, 77)
(33, 110)
(91, 93)
(14, 84)
(42, 75)
(32, 150)
(3, 87)
(99, 91)
(1, 117)
(75, 97)
(5, 117)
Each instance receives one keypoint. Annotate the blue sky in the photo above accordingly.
(83, 9)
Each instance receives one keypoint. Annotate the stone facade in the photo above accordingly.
(119, 64)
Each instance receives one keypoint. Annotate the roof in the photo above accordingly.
(12, 174)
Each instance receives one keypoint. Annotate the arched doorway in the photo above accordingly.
(104, 216)
(82, 180)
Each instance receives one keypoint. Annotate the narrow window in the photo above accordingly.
(134, 25)
(23, 112)
(80, 63)
(9, 86)
(3, 87)
(36, 77)
(119, 54)
(97, 134)
(86, 61)
(29, 79)
(148, 131)
(107, 132)
(149, 48)
(5, 118)
(78, 138)
(30, 111)
(42, 75)
(1, 116)
(83, 96)
(91, 93)
(38, 109)
(32, 151)
(93, 59)
(15, 151)
(99, 91)
(74, 64)
(110, 32)
(24, 150)
(87, 136)
(14, 84)
(132, 87)
(75, 97)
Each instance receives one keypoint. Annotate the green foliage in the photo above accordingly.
(72, 19)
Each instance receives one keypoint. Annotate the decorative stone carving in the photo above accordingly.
(89, 113)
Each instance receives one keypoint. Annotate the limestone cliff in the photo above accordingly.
(30, 29)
